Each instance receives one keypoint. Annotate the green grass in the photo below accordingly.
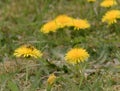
(20, 23)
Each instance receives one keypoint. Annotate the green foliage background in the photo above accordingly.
(20, 23)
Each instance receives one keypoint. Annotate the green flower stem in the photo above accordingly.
(49, 87)
(26, 78)
(81, 80)
(80, 68)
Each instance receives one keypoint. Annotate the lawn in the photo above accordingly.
(95, 67)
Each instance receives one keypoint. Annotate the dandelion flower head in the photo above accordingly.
(111, 16)
(63, 21)
(51, 79)
(27, 51)
(49, 27)
(76, 55)
(108, 3)
(80, 24)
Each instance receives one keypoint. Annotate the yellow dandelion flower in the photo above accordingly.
(91, 1)
(111, 16)
(63, 21)
(76, 55)
(108, 3)
(27, 51)
(80, 24)
(49, 27)
(51, 79)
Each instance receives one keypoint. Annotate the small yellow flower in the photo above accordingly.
(63, 21)
(108, 3)
(51, 79)
(111, 16)
(49, 27)
(76, 55)
(91, 1)
(80, 24)
(27, 51)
